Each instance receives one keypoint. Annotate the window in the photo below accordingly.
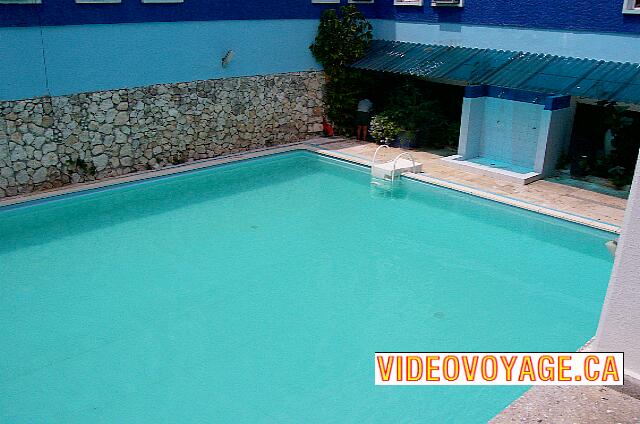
(162, 1)
(453, 3)
(407, 2)
(20, 1)
(97, 1)
(360, 1)
(631, 6)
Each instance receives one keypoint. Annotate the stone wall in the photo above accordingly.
(48, 142)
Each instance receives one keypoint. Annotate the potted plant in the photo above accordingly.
(384, 129)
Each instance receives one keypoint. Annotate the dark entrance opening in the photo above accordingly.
(427, 112)
(604, 144)
(587, 139)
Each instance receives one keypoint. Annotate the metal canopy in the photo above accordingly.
(593, 79)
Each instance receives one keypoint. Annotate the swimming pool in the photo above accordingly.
(258, 292)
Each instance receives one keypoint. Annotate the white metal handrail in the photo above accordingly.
(395, 161)
(373, 162)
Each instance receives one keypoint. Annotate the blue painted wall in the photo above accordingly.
(67, 12)
(567, 15)
(572, 15)
(81, 58)
(60, 47)
(21, 63)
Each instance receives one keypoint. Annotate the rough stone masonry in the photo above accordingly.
(49, 142)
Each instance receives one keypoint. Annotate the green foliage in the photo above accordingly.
(81, 166)
(625, 128)
(178, 159)
(343, 37)
(342, 93)
(384, 128)
(418, 110)
(626, 136)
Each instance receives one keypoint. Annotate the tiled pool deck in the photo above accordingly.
(548, 404)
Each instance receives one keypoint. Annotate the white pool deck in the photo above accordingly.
(550, 404)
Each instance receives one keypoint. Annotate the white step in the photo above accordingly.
(384, 170)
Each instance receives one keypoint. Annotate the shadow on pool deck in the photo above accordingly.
(591, 183)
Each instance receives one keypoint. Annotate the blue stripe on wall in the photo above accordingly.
(84, 58)
(549, 101)
(67, 12)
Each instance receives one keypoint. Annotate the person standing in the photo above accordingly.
(363, 117)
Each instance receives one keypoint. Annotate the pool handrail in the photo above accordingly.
(395, 161)
(373, 161)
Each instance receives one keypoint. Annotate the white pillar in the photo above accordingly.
(619, 328)
(471, 124)
(556, 125)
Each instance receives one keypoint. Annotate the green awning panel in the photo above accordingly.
(593, 79)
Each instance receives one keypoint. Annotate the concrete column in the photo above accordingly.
(471, 123)
(619, 328)
(556, 125)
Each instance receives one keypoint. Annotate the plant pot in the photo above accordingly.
(406, 140)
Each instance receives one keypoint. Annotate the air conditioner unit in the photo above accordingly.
(454, 3)
(407, 2)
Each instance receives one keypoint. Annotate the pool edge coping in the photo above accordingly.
(313, 145)
(521, 204)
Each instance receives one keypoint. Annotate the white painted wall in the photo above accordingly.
(619, 328)
(511, 131)
(520, 133)
(555, 137)
(499, 129)
(471, 127)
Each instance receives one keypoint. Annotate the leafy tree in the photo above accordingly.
(343, 37)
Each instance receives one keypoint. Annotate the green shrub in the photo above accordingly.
(417, 109)
(384, 128)
(619, 166)
(343, 37)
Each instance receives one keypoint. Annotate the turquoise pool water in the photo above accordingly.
(259, 291)
(495, 163)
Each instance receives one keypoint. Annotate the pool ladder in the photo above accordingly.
(383, 175)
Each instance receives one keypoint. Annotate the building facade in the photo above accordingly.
(96, 89)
